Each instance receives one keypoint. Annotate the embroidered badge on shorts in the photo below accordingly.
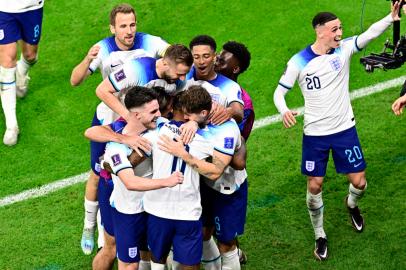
(116, 159)
(228, 142)
(120, 75)
(309, 165)
(132, 252)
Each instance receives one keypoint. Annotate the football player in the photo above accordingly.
(19, 20)
(322, 71)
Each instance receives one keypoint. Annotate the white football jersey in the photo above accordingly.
(124, 200)
(230, 89)
(324, 81)
(215, 92)
(226, 138)
(19, 6)
(181, 202)
(110, 58)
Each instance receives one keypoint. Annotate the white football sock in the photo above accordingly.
(230, 260)
(211, 255)
(8, 95)
(157, 266)
(316, 208)
(354, 195)
(144, 265)
(91, 208)
(176, 265)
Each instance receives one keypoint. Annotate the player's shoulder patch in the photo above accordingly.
(120, 75)
(116, 159)
(228, 142)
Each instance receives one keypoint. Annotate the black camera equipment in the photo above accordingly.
(393, 55)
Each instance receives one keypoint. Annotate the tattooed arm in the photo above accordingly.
(212, 170)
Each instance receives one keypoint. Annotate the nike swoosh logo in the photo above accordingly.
(356, 165)
(359, 227)
(311, 74)
(113, 66)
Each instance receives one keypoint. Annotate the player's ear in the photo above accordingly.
(112, 29)
(204, 113)
(236, 70)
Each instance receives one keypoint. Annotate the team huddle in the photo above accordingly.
(168, 184)
(168, 150)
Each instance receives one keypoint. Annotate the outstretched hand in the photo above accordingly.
(289, 119)
(188, 130)
(395, 7)
(92, 54)
(171, 146)
(138, 144)
(398, 105)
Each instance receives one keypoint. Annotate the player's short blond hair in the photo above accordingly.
(121, 8)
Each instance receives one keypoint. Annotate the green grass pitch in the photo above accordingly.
(44, 233)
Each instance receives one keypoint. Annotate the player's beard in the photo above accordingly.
(127, 41)
(168, 79)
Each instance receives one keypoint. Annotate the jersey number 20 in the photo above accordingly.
(313, 83)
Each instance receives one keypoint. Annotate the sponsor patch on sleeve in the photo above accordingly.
(239, 94)
(120, 75)
(116, 159)
(229, 142)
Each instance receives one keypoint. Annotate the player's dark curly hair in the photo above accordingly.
(138, 95)
(240, 51)
(203, 40)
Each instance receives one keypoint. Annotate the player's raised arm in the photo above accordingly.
(81, 71)
(376, 29)
(105, 91)
(106, 134)
(239, 160)
(212, 170)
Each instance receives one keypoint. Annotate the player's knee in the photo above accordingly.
(227, 246)
(159, 261)
(145, 255)
(31, 56)
(358, 180)
(207, 233)
(314, 184)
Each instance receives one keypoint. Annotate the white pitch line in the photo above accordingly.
(43, 190)
(57, 185)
